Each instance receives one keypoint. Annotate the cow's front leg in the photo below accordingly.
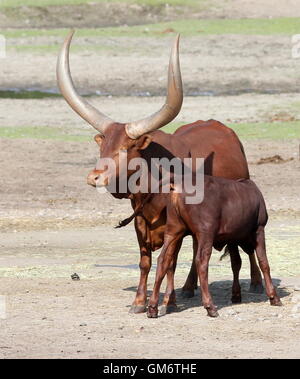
(140, 302)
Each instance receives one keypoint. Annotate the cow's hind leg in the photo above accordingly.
(264, 266)
(190, 285)
(236, 264)
(256, 285)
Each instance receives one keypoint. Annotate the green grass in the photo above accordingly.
(76, 48)
(245, 131)
(260, 130)
(170, 128)
(10, 94)
(39, 49)
(268, 130)
(40, 3)
(276, 26)
(41, 132)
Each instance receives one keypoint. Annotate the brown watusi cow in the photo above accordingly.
(218, 144)
(232, 213)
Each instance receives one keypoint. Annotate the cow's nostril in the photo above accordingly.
(92, 179)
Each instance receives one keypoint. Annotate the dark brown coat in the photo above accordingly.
(232, 213)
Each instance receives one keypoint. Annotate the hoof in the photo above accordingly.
(137, 309)
(276, 302)
(187, 294)
(152, 315)
(212, 312)
(236, 299)
(256, 288)
(166, 309)
(152, 311)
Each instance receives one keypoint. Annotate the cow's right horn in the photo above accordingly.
(172, 105)
(89, 113)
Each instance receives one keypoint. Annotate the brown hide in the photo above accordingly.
(224, 157)
(232, 213)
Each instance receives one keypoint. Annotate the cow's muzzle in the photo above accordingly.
(97, 179)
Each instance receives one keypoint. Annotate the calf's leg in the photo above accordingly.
(202, 259)
(264, 266)
(169, 301)
(256, 285)
(164, 261)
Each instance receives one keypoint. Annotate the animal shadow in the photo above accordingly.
(221, 293)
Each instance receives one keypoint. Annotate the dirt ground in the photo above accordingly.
(53, 225)
(210, 65)
(51, 316)
(114, 13)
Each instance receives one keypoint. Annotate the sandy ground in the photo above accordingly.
(228, 109)
(51, 316)
(222, 64)
(256, 8)
(53, 224)
(112, 14)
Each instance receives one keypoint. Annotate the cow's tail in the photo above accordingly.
(226, 253)
(126, 221)
(136, 212)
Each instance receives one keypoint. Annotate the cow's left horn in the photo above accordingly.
(172, 105)
(89, 113)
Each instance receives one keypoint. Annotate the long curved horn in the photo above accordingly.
(89, 113)
(172, 105)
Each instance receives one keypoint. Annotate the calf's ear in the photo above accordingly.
(98, 139)
(144, 141)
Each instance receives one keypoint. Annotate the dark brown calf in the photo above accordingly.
(232, 213)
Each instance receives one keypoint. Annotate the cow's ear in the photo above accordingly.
(98, 138)
(144, 141)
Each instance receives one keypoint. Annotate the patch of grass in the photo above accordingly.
(245, 131)
(46, 132)
(41, 3)
(170, 128)
(10, 94)
(276, 26)
(268, 130)
(261, 130)
(38, 49)
(76, 48)
(228, 26)
(41, 132)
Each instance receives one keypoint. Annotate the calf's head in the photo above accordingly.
(119, 140)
